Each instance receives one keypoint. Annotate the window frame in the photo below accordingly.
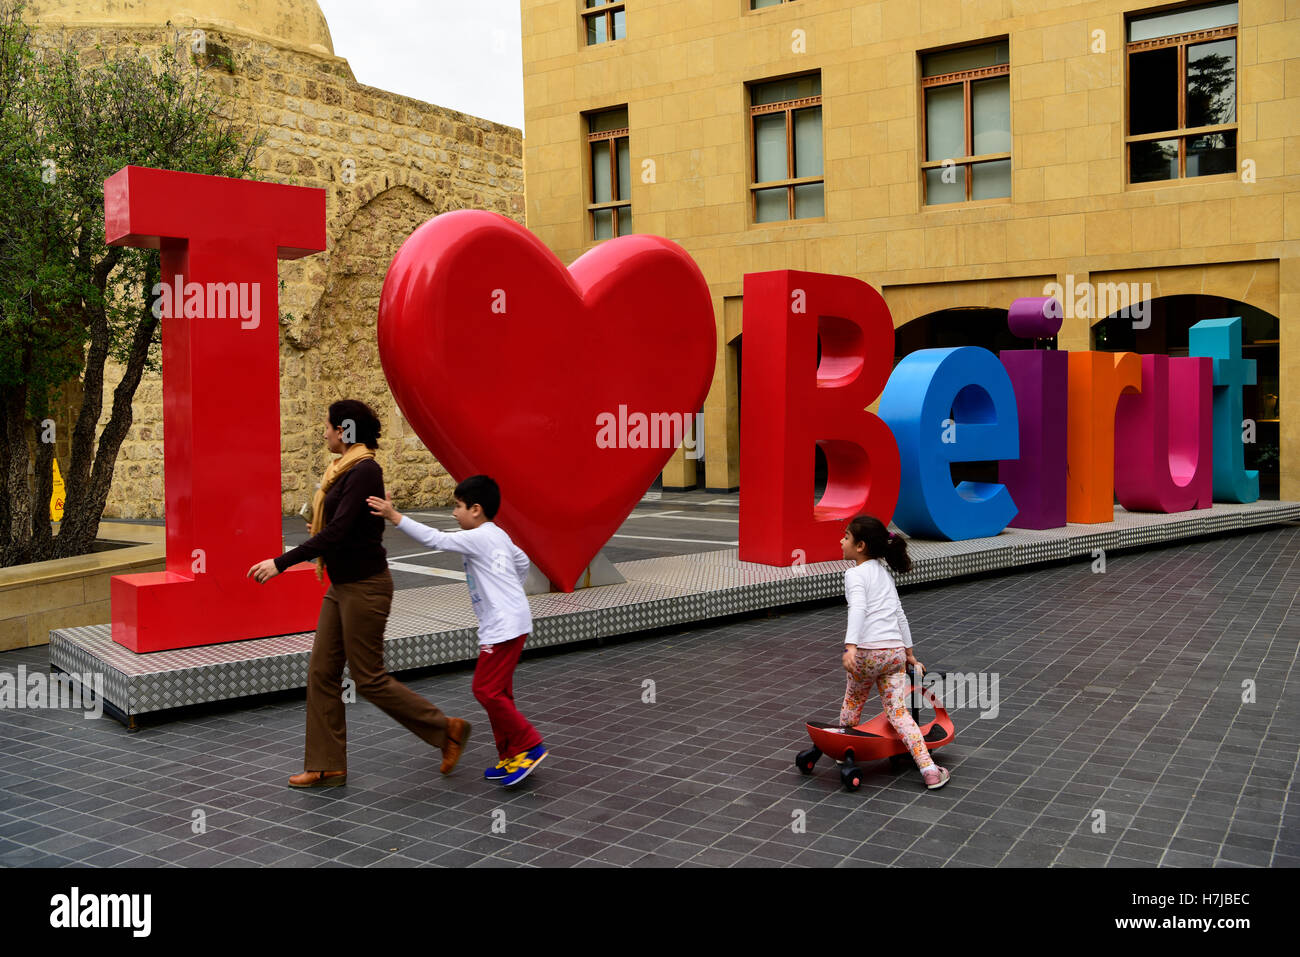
(750, 8)
(789, 107)
(619, 202)
(965, 163)
(606, 10)
(1182, 41)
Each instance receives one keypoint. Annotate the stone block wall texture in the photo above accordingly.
(682, 72)
(388, 164)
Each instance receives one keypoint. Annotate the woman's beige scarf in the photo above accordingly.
(351, 457)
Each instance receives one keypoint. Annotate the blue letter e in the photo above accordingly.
(945, 406)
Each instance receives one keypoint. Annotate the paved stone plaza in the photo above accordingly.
(1120, 692)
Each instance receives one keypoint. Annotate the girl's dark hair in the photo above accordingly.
(365, 424)
(871, 532)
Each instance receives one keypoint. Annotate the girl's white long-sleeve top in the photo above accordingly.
(876, 618)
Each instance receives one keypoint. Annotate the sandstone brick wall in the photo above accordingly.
(388, 164)
(681, 72)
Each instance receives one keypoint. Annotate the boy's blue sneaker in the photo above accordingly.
(523, 764)
(499, 771)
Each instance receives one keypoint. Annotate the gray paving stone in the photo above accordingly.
(1091, 668)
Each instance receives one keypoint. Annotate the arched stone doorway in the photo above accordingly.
(341, 358)
(981, 326)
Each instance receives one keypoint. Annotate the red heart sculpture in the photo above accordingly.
(507, 364)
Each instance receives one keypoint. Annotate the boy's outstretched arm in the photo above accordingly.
(465, 542)
(383, 507)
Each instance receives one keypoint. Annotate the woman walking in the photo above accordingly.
(346, 540)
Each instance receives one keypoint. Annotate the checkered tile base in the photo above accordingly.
(434, 624)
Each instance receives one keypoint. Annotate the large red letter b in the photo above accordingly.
(790, 401)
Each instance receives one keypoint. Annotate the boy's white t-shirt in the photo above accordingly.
(876, 618)
(495, 570)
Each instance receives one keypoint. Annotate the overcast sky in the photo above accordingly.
(466, 56)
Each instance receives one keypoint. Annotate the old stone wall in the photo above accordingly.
(388, 163)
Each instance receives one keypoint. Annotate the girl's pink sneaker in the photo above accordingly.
(935, 777)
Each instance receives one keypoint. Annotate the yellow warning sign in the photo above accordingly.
(56, 500)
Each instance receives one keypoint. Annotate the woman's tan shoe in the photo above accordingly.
(457, 735)
(319, 779)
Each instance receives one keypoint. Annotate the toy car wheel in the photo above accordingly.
(851, 777)
(898, 762)
(805, 760)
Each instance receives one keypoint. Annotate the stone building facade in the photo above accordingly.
(685, 87)
(388, 164)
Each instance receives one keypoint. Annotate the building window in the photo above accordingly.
(786, 136)
(760, 4)
(1182, 93)
(967, 123)
(605, 21)
(610, 209)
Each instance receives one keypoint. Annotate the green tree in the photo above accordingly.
(68, 301)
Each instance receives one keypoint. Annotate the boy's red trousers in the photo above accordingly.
(494, 689)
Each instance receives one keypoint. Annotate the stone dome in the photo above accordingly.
(292, 23)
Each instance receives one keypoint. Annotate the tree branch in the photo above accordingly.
(81, 533)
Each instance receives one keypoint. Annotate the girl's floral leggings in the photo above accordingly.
(886, 669)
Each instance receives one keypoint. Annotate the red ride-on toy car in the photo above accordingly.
(873, 740)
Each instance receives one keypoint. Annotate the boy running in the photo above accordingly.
(495, 570)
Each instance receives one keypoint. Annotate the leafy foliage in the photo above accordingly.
(68, 301)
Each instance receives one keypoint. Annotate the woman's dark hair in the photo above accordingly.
(871, 531)
(364, 422)
(480, 490)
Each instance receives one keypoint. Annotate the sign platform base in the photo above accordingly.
(434, 625)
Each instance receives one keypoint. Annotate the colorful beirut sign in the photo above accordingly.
(1071, 431)
(506, 362)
